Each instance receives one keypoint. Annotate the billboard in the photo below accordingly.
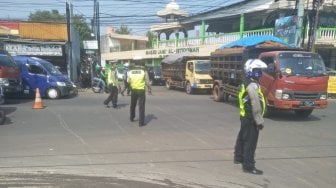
(286, 29)
(90, 45)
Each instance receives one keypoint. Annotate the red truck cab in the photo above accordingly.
(294, 80)
(10, 78)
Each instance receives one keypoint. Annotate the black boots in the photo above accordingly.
(253, 170)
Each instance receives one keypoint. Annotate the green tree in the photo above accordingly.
(44, 16)
(54, 16)
(124, 30)
(151, 38)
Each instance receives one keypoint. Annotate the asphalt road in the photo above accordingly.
(188, 142)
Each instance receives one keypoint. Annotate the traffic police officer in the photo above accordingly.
(252, 107)
(113, 86)
(138, 80)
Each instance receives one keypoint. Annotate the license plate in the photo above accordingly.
(308, 103)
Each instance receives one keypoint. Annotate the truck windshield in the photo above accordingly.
(52, 69)
(301, 64)
(157, 71)
(202, 67)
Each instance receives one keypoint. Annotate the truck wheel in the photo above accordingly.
(168, 86)
(303, 113)
(218, 97)
(2, 117)
(268, 111)
(226, 97)
(53, 93)
(189, 90)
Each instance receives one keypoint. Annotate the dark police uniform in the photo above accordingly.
(113, 84)
(138, 80)
(252, 107)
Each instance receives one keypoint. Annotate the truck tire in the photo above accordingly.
(218, 97)
(268, 111)
(226, 97)
(303, 113)
(188, 89)
(2, 116)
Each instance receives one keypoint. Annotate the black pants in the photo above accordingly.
(113, 96)
(138, 95)
(126, 87)
(246, 143)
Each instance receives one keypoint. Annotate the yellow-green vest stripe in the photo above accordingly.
(137, 79)
(241, 103)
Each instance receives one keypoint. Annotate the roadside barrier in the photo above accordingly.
(38, 102)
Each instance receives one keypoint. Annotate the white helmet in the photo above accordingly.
(254, 64)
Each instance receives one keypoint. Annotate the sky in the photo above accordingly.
(138, 15)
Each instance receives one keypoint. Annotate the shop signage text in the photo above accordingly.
(165, 52)
(34, 49)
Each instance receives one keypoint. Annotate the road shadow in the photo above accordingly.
(122, 105)
(289, 115)
(7, 110)
(277, 115)
(149, 118)
(16, 100)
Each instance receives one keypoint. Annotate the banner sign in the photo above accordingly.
(34, 49)
(90, 45)
(166, 52)
(285, 29)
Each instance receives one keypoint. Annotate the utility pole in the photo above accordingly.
(299, 25)
(96, 28)
(313, 25)
(69, 50)
(98, 34)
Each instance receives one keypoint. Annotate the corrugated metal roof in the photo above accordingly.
(130, 37)
(253, 41)
(10, 25)
(33, 41)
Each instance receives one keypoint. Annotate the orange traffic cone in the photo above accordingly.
(38, 102)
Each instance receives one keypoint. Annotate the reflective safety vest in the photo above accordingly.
(112, 78)
(245, 102)
(137, 79)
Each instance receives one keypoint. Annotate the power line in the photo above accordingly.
(117, 12)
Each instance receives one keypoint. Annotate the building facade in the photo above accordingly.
(203, 33)
(48, 41)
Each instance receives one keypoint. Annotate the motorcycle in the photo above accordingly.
(98, 85)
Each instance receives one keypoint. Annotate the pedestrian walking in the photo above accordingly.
(113, 86)
(138, 80)
(252, 107)
(126, 84)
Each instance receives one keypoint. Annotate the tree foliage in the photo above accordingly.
(151, 38)
(44, 16)
(54, 16)
(124, 30)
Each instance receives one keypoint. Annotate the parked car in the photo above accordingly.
(39, 73)
(10, 79)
